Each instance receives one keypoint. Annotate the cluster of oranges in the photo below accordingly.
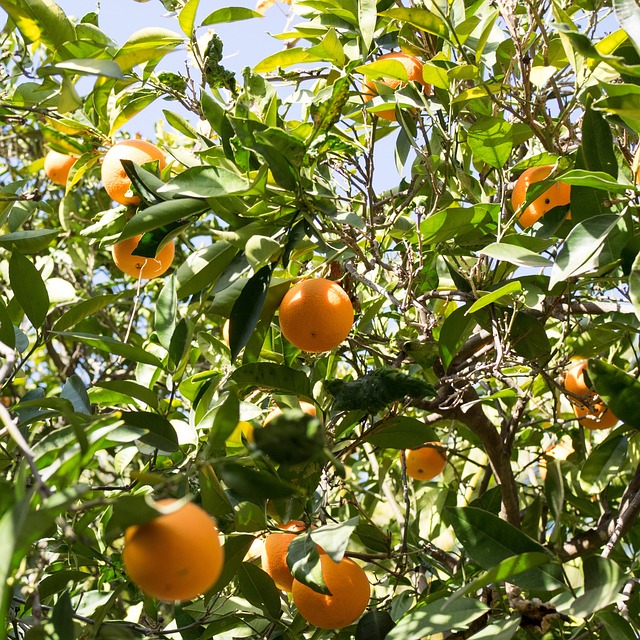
(346, 580)
(117, 184)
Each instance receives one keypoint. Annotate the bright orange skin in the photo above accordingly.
(114, 177)
(414, 74)
(557, 195)
(139, 266)
(425, 463)
(316, 315)
(274, 554)
(635, 166)
(57, 166)
(175, 557)
(595, 416)
(591, 412)
(350, 591)
(306, 407)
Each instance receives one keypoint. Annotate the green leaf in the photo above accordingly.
(75, 391)
(202, 268)
(499, 630)
(334, 538)
(187, 17)
(489, 298)
(447, 224)
(162, 214)
(253, 483)
(587, 243)
(374, 625)
(206, 182)
(7, 331)
(435, 618)
(616, 626)
(605, 462)
(491, 141)
(166, 311)
(504, 570)
(260, 250)
(83, 310)
(627, 13)
(214, 498)
(31, 241)
(528, 336)
(28, 288)
(85, 66)
(286, 58)
(150, 43)
(595, 180)
(128, 511)
(303, 561)
(265, 375)
(236, 548)
(367, 18)
(634, 285)
(424, 19)
(160, 432)
(257, 587)
(132, 389)
(622, 100)
(62, 617)
(513, 254)
(619, 391)
(603, 581)
(489, 540)
(230, 14)
(247, 309)
(41, 20)
(112, 346)
(401, 432)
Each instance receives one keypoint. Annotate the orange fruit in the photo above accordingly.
(274, 554)
(350, 591)
(413, 67)
(176, 556)
(139, 266)
(591, 412)
(114, 177)
(596, 415)
(57, 166)
(306, 407)
(575, 383)
(560, 450)
(557, 195)
(316, 315)
(426, 462)
(635, 166)
(225, 332)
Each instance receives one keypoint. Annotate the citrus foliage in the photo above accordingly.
(118, 390)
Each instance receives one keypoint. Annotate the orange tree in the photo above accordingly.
(120, 393)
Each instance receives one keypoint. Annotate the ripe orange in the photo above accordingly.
(114, 177)
(316, 315)
(274, 554)
(176, 556)
(57, 166)
(350, 591)
(591, 412)
(139, 266)
(425, 463)
(413, 67)
(596, 415)
(635, 166)
(306, 407)
(557, 195)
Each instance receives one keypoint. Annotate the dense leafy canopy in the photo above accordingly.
(115, 392)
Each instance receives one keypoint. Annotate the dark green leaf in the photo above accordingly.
(28, 288)
(7, 332)
(166, 311)
(488, 540)
(605, 462)
(455, 330)
(127, 511)
(265, 375)
(401, 432)
(160, 432)
(83, 309)
(250, 482)
(258, 589)
(132, 389)
(30, 241)
(202, 268)
(206, 182)
(303, 560)
(111, 345)
(374, 625)
(617, 627)
(75, 391)
(603, 581)
(529, 337)
(62, 617)
(236, 548)
(247, 309)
